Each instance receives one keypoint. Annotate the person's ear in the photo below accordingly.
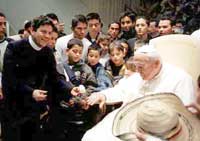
(72, 28)
(157, 63)
(30, 30)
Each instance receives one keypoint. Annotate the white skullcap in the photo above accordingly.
(148, 50)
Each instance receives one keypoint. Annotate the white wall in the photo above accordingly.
(17, 11)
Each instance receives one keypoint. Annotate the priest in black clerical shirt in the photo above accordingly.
(26, 64)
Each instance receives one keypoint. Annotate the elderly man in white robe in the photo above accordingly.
(152, 76)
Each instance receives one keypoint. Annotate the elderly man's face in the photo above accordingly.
(146, 67)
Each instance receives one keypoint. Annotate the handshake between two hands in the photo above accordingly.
(81, 97)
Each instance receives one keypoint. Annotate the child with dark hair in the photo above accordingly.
(83, 73)
(115, 65)
(127, 49)
(104, 41)
(81, 115)
(103, 80)
(94, 26)
(127, 21)
(102, 77)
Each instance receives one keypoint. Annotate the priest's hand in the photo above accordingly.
(39, 95)
(75, 91)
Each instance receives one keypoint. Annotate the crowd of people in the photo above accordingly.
(185, 11)
(52, 82)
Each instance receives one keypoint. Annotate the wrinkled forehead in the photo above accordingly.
(141, 57)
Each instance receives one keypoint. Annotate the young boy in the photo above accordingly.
(83, 73)
(77, 114)
(103, 80)
(115, 66)
(103, 41)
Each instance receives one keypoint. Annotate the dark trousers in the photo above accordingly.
(19, 130)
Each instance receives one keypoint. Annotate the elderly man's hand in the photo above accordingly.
(97, 98)
(84, 105)
(194, 108)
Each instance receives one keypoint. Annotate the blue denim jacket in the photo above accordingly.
(102, 77)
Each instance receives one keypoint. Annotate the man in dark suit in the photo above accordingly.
(26, 65)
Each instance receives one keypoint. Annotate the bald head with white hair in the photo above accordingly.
(147, 62)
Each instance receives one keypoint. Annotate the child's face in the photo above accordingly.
(93, 57)
(94, 26)
(104, 44)
(53, 39)
(126, 23)
(74, 54)
(125, 45)
(117, 57)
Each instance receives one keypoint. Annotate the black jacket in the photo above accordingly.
(24, 70)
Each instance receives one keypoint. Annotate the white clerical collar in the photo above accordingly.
(33, 44)
(1, 41)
